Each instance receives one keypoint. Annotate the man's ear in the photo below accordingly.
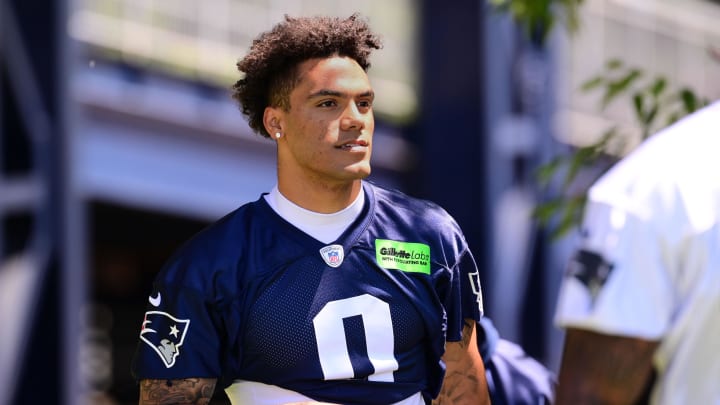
(272, 120)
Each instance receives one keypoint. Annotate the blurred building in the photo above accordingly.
(119, 140)
(675, 39)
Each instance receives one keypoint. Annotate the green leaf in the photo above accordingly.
(672, 118)
(544, 212)
(587, 156)
(592, 83)
(519, 9)
(689, 100)
(657, 87)
(571, 216)
(572, 19)
(638, 100)
(650, 115)
(606, 137)
(546, 172)
(538, 17)
(582, 157)
(613, 64)
(615, 88)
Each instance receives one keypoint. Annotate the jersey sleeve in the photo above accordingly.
(465, 299)
(618, 281)
(180, 335)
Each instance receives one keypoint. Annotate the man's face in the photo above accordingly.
(327, 131)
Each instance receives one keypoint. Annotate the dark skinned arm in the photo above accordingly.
(465, 382)
(188, 391)
(602, 369)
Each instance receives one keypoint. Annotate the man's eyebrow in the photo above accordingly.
(324, 93)
(334, 93)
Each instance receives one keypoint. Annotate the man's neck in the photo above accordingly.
(321, 197)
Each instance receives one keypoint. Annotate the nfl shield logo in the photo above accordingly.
(333, 255)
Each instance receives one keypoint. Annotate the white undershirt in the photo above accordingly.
(324, 227)
(256, 393)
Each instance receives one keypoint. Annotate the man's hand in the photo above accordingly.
(188, 391)
(465, 382)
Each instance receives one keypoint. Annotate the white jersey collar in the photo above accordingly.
(323, 227)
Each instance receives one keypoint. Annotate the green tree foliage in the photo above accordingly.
(539, 17)
(655, 104)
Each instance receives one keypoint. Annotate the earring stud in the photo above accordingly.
(278, 135)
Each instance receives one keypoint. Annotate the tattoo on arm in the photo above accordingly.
(195, 391)
(465, 381)
(604, 369)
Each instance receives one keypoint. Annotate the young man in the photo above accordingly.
(641, 299)
(328, 288)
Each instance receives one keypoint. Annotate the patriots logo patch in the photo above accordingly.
(333, 255)
(591, 269)
(165, 334)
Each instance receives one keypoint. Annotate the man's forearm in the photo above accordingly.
(188, 391)
(465, 381)
(603, 369)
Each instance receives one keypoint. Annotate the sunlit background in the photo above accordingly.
(119, 140)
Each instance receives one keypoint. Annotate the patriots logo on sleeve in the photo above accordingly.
(165, 334)
(591, 269)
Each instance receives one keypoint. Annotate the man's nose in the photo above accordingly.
(353, 118)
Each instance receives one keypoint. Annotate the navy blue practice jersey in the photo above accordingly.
(362, 320)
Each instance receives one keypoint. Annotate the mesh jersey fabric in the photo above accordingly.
(252, 298)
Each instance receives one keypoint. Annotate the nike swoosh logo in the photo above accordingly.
(155, 301)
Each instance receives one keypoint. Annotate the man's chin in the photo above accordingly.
(359, 172)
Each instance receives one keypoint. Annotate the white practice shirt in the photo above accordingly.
(651, 258)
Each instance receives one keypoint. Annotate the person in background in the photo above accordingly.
(641, 298)
(329, 288)
(513, 377)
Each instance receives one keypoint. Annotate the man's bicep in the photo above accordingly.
(186, 391)
(598, 368)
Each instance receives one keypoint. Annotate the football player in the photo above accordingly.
(328, 288)
(641, 299)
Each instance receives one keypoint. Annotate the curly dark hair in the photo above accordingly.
(270, 67)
